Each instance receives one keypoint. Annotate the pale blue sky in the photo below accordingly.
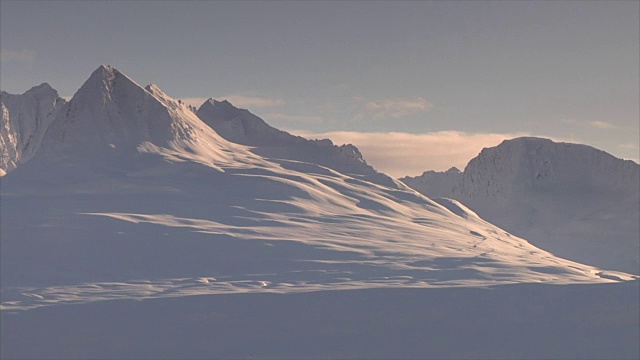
(567, 70)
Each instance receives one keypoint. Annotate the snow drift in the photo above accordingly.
(132, 195)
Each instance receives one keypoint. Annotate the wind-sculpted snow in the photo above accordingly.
(242, 127)
(25, 119)
(573, 200)
(132, 206)
(132, 196)
(250, 231)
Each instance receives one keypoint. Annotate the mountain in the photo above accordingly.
(25, 119)
(137, 231)
(437, 184)
(112, 118)
(573, 200)
(130, 184)
(242, 127)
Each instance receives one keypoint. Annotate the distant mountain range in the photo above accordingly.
(576, 201)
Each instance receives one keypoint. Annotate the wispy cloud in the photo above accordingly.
(400, 154)
(629, 146)
(591, 123)
(396, 107)
(20, 56)
(309, 119)
(601, 124)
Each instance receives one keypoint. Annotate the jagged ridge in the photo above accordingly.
(25, 119)
(243, 127)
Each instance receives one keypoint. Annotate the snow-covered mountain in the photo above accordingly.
(131, 187)
(112, 119)
(573, 200)
(25, 119)
(242, 127)
(131, 196)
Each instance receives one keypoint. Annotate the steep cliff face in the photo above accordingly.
(435, 183)
(534, 164)
(574, 200)
(25, 119)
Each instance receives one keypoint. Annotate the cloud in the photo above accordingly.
(601, 124)
(396, 108)
(400, 154)
(595, 123)
(22, 56)
(309, 119)
(629, 146)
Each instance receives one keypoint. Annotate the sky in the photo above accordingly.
(416, 85)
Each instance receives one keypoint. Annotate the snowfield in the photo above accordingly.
(132, 205)
(573, 200)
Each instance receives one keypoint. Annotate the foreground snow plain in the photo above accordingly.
(133, 205)
(522, 321)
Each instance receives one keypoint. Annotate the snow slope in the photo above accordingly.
(132, 197)
(242, 127)
(573, 200)
(25, 119)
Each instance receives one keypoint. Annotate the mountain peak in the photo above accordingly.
(242, 127)
(112, 111)
(224, 102)
(44, 87)
(575, 200)
(223, 105)
(106, 69)
(37, 90)
(25, 119)
(213, 110)
(100, 85)
(104, 72)
(531, 162)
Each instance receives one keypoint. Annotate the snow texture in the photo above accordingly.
(133, 197)
(242, 127)
(573, 200)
